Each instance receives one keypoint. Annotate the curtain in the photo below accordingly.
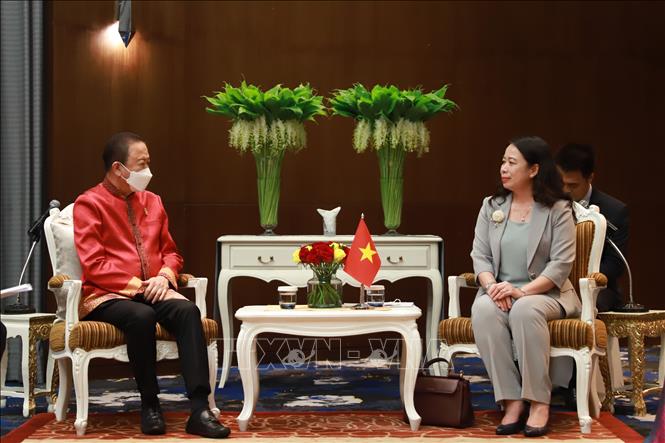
(21, 151)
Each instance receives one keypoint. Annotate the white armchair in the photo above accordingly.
(74, 343)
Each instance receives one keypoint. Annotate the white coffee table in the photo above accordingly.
(336, 322)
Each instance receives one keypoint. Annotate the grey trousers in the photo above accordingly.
(526, 325)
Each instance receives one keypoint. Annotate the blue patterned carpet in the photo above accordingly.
(367, 384)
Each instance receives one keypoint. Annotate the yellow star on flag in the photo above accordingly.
(367, 252)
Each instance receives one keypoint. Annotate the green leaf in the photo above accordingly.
(249, 102)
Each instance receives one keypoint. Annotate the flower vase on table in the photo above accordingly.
(324, 289)
(268, 171)
(391, 121)
(267, 124)
(391, 167)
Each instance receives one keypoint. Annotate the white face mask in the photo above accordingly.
(138, 180)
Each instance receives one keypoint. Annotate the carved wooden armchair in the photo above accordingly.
(74, 342)
(584, 338)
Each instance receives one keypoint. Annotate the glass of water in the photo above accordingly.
(287, 296)
(375, 295)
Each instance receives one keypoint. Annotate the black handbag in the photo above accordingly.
(443, 400)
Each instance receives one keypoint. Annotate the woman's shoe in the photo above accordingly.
(510, 428)
(530, 431)
(513, 428)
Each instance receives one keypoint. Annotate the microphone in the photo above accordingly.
(35, 230)
(631, 306)
(35, 233)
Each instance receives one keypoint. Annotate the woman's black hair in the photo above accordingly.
(547, 184)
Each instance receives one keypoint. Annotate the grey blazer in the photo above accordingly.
(550, 248)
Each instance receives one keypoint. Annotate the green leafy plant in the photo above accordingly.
(392, 122)
(267, 124)
(389, 117)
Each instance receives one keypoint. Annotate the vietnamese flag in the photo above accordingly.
(362, 262)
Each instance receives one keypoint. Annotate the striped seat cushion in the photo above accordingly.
(566, 333)
(89, 335)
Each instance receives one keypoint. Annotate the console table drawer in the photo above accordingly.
(395, 256)
(280, 256)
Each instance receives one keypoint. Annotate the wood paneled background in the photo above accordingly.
(567, 71)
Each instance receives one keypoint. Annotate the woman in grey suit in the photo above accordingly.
(523, 252)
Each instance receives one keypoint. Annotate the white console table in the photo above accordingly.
(270, 258)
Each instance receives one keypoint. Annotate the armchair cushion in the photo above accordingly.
(89, 335)
(455, 331)
(601, 279)
(576, 334)
(470, 278)
(67, 259)
(566, 333)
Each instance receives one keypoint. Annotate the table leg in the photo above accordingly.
(412, 360)
(225, 302)
(614, 360)
(636, 356)
(402, 368)
(255, 372)
(661, 361)
(33, 371)
(246, 346)
(608, 401)
(3, 374)
(433, 317)
(25, 371)
(51, 381)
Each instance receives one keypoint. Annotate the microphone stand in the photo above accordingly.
(18, 307)
(631, 306)
(35, 233)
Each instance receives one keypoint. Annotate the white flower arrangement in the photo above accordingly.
(382, 133)
(258, 137)
(388, 117)
(267, 123)
(498, 217)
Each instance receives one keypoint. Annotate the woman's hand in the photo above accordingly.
(504, 304)
(503, 290)
(502, 294)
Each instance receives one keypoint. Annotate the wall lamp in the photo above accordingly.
(124, 16)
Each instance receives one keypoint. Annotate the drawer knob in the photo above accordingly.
(395, 262)
(265, 262)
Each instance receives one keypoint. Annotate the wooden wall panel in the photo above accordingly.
(567, 71)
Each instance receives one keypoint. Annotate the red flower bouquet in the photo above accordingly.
(324, 258)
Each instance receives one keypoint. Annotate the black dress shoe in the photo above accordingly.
(530, 431)
(152, 421)
(510, 428)
(205, 424)
(513, 428)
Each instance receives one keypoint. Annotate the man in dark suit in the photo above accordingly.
(576, 164)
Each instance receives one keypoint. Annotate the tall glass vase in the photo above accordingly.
(391, 167)
(268, 172)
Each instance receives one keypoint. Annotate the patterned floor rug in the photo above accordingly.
(360, 385)
(319, 426)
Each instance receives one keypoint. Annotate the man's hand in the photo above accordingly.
(156, 289)
(173, 295)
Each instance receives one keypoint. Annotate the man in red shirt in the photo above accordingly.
(130, 264)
